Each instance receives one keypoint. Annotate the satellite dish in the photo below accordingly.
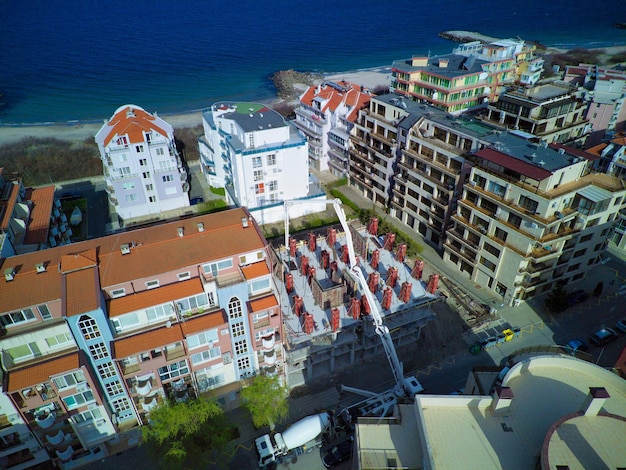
(168, 324)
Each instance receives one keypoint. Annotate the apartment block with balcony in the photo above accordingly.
(119, 324)
(326, 116)
(259, 158)
(142, 169)
(530, 216)
(553, 113)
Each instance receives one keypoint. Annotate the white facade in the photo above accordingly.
(256, 155)
(142, 169)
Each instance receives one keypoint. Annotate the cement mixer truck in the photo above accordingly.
(301, 437)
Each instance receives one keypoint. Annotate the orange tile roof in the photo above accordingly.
(82, 291)
(255, 270)
(263, 303)
(354, 97)
(149, 298)
(157, 249)
(39, 223)
(147, 341)
(134, 125)
(81, 260)
(41, 372)
(204, 322)
(7, 204)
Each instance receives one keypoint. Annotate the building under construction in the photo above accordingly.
(326, 319)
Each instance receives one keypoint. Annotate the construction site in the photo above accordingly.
(327, 322)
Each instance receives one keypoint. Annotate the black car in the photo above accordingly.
(338, 453)
(603, 336)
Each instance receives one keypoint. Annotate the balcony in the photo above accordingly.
(46, 419)
(174, 353)
(130, 368)
(268, 342)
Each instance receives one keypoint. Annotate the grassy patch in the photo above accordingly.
(218, 191)
(214, 205)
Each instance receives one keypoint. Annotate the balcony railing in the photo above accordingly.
(174, 353)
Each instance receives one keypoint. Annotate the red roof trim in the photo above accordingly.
(513, 164)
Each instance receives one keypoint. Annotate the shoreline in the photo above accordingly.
(371, 77)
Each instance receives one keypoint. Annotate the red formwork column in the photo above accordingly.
(433, 281)
(355, 308)
(392, 277)
(401, 253)
(345, 255)
(312, 242)
(335, 319)
(372, 227)
(292, 247)
(325, 258)
(372, 281)
(289, 282)
(304, 265)
(365, 306)
(405, 292)
(331, 237)
(387, 294)
(418, 269)
(311, 274)
(298, 305)
(390, 239)
(309, 323)
(375, 259)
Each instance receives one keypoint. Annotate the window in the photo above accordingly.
(205, 355)
(160, 152)
(128, 185)
(259, 285)
(151, 199)
(488, 264)
(149, 187)
(125, 321)
(114, 388)
(579, 253)
(238, 329)
(202, 339)
(152, 284)
(120, 405)
(257, 162)
(183, 276)
(164, 165)
(174, 370)
(528, 204)
(271, 159)
(500, 234)
(167, 178)
(88, 415)
(159, 312)
(241, 347)
(125, 170)
(264, 333)
(215, 268)
(586, 238)
(143, 162)
(106, 370)
(74, 401)
(258, 175)
(139, 148)
(44, 312)
(190, 303)
(98, 351)
(259, 188)
(115, 293)
(598, 247)
(88, 327)
(24, 351)
(272, 186)
(146, 174)
(234, 308)
(257, 317)
(243, 363)
(515, 219)
(496, 188)
(131, 197)
(491, 249)
(69, 380)
(61, 339)
(15, 318)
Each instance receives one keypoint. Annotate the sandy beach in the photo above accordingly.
(77, 131)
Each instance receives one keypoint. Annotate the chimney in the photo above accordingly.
(419, 61)
(502, 398)
(9, 274)
(40, 267)
(200, 226)
(244, 222)
(181, 231)
(443, 63)
(594, 401)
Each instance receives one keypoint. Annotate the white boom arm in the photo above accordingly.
(381, 330)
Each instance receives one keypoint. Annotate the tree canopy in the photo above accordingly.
(266, 400)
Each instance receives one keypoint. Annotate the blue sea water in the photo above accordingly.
(62, 61)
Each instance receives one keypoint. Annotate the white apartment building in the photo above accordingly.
(142, 169)
(326, 115)
(259, 158)
(529, 216)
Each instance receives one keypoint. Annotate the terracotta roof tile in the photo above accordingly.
(157, 249)
(204, 322)
(39, 223)
(41, 372)
(254, 270)
(134, 125)
(263, 303)
(7, 204)
(82, 291)
(81, 260)
(147, 341)
(149, 298)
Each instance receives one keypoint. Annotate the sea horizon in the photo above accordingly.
(77, 65)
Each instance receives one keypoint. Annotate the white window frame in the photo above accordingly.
(116, 293)
(173, 370)
(216, 267)
(257, 317)
(15, 318)
(98, 351)
(202, 339)
(86, 397)
(271, 159)
(257, 162)
(260, 285)
(106, 370)
(206, 355)
(70, 380)
(44, 316)
(184, 276)
(153, 284)
(59, 340)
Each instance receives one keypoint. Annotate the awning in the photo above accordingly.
(595, 194)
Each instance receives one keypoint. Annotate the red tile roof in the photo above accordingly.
(39, 223)
(133, 124)
(204, 322)
(574, 151)
(263, 303)
(41, 372)
(255, 270)
(149, 298)
(354, 97)
(7, 204)
(157, 249)
(82, 291)
(147, 341)
(513, 164)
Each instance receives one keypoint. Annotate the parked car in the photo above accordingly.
(577, 297)
(621, 325)
(338, 453)
(196, 200)
(603, 336)
(577, 345)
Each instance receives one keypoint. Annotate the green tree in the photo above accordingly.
(180, 431)
(557, 299)
(266, 400)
